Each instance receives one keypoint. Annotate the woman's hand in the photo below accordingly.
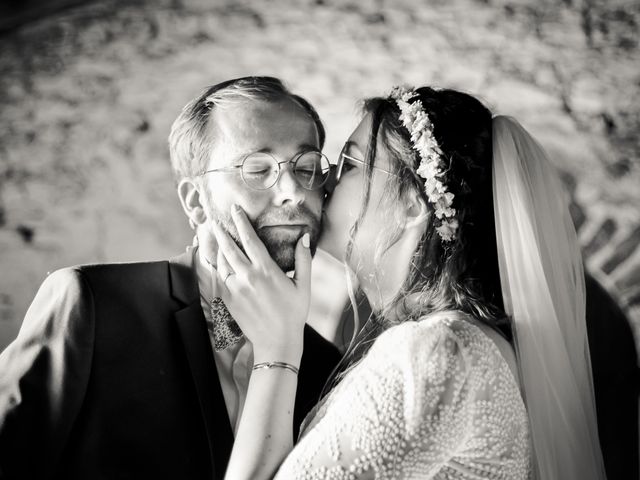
(270, 308)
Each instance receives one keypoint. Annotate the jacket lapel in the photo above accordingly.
(195, 339)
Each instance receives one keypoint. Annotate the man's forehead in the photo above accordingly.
(259, 124)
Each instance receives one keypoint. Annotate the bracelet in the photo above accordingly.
(287, 366)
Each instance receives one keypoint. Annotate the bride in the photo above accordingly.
(475, 364)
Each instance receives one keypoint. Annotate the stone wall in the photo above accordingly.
(87, 96)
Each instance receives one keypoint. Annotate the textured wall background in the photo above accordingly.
(87, 96)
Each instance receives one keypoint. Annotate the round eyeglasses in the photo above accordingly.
(261, 170)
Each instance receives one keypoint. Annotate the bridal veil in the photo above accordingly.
(542, 282)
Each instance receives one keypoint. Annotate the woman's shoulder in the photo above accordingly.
(443, 337)
(438, 327)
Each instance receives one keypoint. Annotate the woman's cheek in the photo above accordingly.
(340, 214)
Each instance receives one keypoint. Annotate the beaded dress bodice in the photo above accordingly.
(432, 399)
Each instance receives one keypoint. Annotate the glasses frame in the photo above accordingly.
(293, 161)
(340, 164)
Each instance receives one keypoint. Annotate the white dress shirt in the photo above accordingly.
(234, 364)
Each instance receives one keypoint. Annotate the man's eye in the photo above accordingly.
(256, 169)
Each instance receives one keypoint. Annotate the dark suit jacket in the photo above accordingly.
(112, 376)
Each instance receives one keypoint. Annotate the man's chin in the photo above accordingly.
(285, 256)
(281, 245)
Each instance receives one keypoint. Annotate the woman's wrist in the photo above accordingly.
(289, 353)
(276, 365)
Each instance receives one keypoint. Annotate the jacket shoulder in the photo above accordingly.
(123, 276)
(92, 269)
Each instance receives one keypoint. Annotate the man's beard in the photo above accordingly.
(281, 247)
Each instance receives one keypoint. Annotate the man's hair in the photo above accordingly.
(190, 140)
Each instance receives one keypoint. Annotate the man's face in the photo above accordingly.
(283, 213)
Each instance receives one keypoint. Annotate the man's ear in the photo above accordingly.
(416, 212)
(189, 194)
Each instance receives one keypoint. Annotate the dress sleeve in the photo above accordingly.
(399, 413)
(44, 375)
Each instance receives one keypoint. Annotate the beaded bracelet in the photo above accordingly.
(284, 365)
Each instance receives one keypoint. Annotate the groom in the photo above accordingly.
(135, 370)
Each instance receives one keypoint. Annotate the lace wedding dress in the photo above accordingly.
(432, 399)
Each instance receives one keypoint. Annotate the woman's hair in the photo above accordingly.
(458, 275)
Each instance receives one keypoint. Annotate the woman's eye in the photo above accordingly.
(347, 166)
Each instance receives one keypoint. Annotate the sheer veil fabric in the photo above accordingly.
(542, 282)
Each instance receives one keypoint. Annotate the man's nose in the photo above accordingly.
(287, 189)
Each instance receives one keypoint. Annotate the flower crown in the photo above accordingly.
(415, 119)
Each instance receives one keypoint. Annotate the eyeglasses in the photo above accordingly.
(344, 156)
(261, 170)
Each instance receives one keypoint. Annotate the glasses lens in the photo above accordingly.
(312, 170)
(260, 171)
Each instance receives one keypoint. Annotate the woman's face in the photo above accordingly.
(343, 208)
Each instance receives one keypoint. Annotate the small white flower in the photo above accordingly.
(447, 199)
(443, 207)
(421, 144)
(428, 170)
(420, 123)
(434, 189)
(447, 230)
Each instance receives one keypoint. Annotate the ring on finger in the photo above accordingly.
(226, 277)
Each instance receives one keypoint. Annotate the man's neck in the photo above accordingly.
(206, 276)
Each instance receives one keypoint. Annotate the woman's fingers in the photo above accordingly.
(230, 250)
(224, 270)
(253, 246)
(302, 276)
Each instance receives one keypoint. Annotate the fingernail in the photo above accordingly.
(305, 240)
(236, 208)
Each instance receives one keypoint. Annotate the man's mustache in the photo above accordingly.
(281, 215)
